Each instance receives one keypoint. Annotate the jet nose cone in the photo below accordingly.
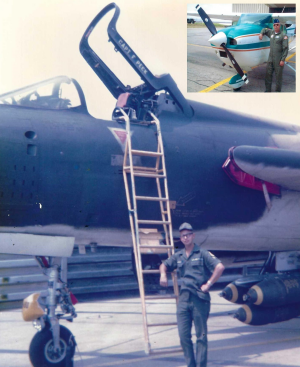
(218, 39)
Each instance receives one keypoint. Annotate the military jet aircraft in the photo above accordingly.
(238, 46)
(234, 178)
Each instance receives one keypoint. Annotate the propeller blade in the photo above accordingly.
(235, 64)
(220, 39)
(207, 21)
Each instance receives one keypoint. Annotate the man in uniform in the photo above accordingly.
(278, 52)
(199, 270)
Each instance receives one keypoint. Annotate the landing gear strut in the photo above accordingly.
(53, 345)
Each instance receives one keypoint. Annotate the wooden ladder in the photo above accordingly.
(141, 243)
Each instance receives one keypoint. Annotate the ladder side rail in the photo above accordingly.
(157, 165)
(130, 211)
(170, 233)
(159, 168)
(165, 180)
(162, 209)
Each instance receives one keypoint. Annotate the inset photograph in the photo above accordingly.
(241, 48)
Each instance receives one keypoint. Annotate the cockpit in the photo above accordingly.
(258, 19)
(63, 93)
(59, 93)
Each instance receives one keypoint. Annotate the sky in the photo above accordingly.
(39, 39)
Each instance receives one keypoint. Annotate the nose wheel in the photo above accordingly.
(42, 352)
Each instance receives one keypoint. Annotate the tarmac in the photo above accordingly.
(109, 332)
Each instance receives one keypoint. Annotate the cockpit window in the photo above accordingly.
(56, 94)
(258, 19)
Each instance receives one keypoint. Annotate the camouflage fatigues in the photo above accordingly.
(278, 52)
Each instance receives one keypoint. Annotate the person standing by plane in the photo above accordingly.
(278, 52)
(199, 270)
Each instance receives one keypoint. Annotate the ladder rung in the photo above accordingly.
(163, 324)
(149, 175)
(157, 246)
(151, 198)
(164, 296)
(154, 271)
(146, 153)
(165, 351)
(153, 222)
(151, 271)
(141, 168)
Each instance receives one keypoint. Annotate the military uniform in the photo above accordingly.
(278, 52)
(193, 304)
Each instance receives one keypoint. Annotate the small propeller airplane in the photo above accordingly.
(239, 46)
(235, 178)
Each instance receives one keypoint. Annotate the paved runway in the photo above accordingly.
(109, 332)
(204, 69)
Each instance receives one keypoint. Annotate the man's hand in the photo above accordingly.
(281, 63)
(260, 36)
(205, 287)
(163, 280)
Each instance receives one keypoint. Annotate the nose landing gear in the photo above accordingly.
(53, 345)
(42, 352)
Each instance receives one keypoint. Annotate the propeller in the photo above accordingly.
(220, 39)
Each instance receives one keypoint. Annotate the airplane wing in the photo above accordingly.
(277, 166)
(232, 17)
(285, 17)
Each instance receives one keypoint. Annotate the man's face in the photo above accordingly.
(187, 237)
(276, 27)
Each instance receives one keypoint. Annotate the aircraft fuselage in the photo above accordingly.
(61, 174)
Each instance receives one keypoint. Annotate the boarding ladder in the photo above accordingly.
(140, 244)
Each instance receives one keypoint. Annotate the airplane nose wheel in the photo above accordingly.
(43, 354)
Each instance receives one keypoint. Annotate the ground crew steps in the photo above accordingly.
(147, 241)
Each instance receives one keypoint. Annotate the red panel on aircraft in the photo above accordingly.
(244, 179)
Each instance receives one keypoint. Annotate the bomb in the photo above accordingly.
(279, 291)
(235, 291)
(255, 315)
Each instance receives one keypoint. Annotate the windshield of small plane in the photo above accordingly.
(56, 94)
(258, 19)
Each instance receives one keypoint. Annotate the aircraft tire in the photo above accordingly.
(41, 352)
